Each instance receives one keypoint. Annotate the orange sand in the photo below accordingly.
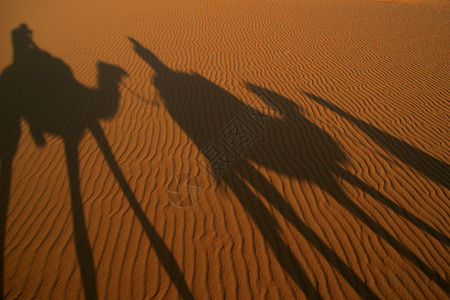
(339, 176)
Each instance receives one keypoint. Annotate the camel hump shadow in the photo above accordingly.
(310, 144)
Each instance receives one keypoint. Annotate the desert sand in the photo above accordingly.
(225, 149)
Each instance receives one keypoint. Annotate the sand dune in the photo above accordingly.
(225, 149)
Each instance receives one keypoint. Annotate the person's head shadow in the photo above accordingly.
(42, 90)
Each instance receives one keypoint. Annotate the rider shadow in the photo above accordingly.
(208, 113)
(42, 90)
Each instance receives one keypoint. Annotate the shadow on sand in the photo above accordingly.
(42, 90)
(202, 109)
(433, 168)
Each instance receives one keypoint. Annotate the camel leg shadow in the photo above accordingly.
(355, 181)
(5, 188)
(335, 190)
(10, 131)
(269, 228)
(264, 187)
(162, 251)
(83, 249)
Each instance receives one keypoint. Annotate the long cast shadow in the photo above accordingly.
(42, 90)
(162, 251)
(202, 110)
(10, 132)
(9, 140)
(82, 246)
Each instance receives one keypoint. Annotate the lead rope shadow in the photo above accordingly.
(42, 90)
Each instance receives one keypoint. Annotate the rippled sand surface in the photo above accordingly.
(225, 149)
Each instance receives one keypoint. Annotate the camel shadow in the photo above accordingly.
(214, 119)
(226, 130)
(42, 90)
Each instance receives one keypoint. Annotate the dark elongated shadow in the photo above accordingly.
(9, 139)
(82, 246)
(208, 99)
(35, 88)
(5, 187)
(339, 195)
(283, 207)
(162, 251)
(269, 228)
